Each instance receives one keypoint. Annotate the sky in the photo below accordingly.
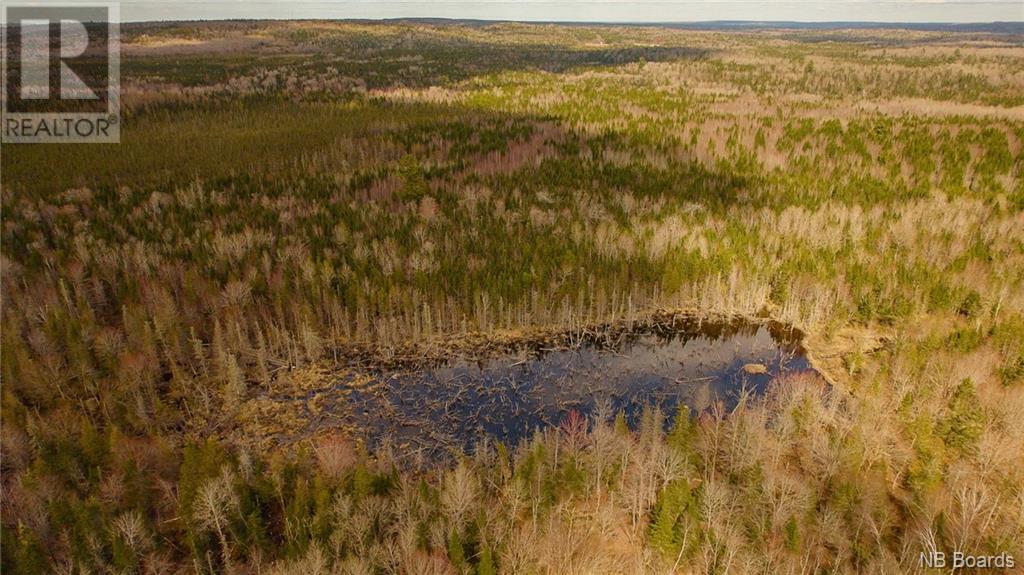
(588, 10)
(580, 10)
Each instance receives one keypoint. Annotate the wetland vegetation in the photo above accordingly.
(298, 210)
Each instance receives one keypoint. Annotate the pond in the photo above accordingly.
(505, 396)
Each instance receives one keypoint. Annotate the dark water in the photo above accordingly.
(507, 396)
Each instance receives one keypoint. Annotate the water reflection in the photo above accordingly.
(507, 396)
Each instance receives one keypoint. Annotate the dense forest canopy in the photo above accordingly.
(288, 196)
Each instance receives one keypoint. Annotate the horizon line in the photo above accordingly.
(595, 22)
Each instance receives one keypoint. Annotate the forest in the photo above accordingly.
(292, 199)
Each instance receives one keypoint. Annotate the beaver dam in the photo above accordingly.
(506, 394)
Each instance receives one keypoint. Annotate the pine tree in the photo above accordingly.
(673, 502)
(486, 566)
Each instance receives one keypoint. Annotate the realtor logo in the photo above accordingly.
(61, 73)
